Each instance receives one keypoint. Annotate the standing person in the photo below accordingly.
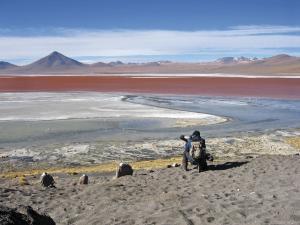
(193, 142)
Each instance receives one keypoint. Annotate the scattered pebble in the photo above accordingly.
(84, 179)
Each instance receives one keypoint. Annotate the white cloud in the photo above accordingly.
(111, 43)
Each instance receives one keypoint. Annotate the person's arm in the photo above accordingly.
(203, 143)
(182, 137)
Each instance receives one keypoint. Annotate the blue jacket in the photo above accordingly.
(187, 145)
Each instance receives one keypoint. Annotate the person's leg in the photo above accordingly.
(190, 158)
(184, 162)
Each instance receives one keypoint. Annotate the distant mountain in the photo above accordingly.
(164, 61)
(116, 63)
(6, 65)
(241, 59)
(150, 64)
(225, 60)
(56, 61)
(280, 59)
(100, 64)
(278, 64)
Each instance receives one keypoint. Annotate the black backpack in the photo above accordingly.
(197, 150)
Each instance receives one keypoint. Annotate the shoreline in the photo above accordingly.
(84, 142)
(102, 168)
(223, 149)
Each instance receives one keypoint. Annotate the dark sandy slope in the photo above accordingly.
(265, 190)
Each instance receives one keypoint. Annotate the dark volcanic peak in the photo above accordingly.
(55, 60)
(6, 65)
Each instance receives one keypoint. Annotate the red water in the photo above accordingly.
(209, 86)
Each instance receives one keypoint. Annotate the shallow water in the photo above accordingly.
(34, 118)
(57, 127)
(245, 114)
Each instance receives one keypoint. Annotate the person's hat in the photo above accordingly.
(196, 133)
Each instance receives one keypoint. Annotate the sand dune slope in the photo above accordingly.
(264, 190)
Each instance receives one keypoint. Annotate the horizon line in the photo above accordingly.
(84, 62)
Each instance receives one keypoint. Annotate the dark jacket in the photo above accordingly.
(190, 140)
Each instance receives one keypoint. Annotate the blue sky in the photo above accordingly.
(147, 30)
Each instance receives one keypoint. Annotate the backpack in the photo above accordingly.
(197, 150)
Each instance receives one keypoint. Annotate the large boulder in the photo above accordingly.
(84, 179)
(123, 170)
(47, 180)
(9, 216)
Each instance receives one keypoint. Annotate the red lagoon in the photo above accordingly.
(208, 86)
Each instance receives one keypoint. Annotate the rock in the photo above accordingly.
(9, 216)
(169, 166)
(297, 154)
(84, 179)
(123, 170)
(175, 165)
(35, 218)
(47, 180)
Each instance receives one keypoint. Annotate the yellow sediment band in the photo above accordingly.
(294, 141)
(99, 168)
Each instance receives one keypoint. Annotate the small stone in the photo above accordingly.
(47, 180)
(210, 219)
(73, 173)
(169, 166)
(124, 169)
(84, 179)
(175, 165)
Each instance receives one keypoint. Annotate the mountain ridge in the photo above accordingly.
(57, 63)
(6, 65)
(55, 60)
